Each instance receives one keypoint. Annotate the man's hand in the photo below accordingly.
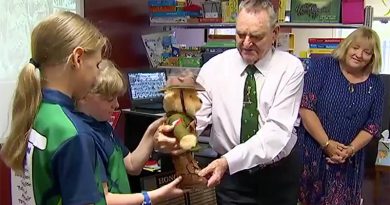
(214, 171)
(165, 142)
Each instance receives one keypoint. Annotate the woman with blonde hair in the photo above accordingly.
(341, 112)
(50, 150)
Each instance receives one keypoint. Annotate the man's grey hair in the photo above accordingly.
(253, 6)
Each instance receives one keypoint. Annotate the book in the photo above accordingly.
(320, 50)
(317, 55)
(161, 2)
(323, 45)
(168, 19)
(162, 8)
(176, 14)
(368, 16)
(352, 11)
(281, 10)
(315, 11)
(325, 40)
(210, 20)
(158, 47)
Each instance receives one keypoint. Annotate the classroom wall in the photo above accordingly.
(123, 22)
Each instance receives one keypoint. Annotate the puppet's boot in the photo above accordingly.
(187, 167)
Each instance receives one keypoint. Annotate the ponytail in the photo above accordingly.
(25, 105)
(52, 42)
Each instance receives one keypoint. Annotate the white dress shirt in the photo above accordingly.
(279, 84)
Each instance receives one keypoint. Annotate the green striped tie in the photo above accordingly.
(250, 113)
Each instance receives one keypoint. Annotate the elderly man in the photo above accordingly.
(251, 98)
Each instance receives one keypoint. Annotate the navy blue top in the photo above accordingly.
(106, 141)
(112, 152)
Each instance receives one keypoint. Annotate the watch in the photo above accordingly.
(147, 200)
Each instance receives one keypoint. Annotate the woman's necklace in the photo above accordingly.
(351, 78)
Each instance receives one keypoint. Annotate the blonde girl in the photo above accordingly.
(49, 148)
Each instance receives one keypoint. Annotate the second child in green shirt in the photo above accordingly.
(98, 107)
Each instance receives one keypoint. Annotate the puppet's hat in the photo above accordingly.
(183, 80)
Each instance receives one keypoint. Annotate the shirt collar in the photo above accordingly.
(262, 64)
(57, 97)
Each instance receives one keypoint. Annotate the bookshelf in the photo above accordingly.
(233, 25)
(286, 27)
(175, 67)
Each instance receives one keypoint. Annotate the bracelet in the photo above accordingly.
(325, 145)
(147, 200)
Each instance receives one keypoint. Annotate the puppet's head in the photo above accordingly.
(181, 102)
(181, 95)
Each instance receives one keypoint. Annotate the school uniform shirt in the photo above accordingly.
(112, 152)
(279, 85)
(61, 162)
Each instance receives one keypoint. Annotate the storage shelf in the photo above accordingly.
(233, 25)
(196, 25)
(175, 67)
(319, 25)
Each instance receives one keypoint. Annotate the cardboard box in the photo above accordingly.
(383, 157)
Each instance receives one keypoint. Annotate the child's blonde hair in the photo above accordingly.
(52, 43)
(110, 82)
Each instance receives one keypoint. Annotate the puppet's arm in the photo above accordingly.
(182, 132)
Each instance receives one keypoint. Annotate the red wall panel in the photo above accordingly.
(123, 22)
(5, 184)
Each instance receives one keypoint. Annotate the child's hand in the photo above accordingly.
(168, 191)
(155, 126)
(165, 142)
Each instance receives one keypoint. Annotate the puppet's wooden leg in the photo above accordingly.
(187, 167)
